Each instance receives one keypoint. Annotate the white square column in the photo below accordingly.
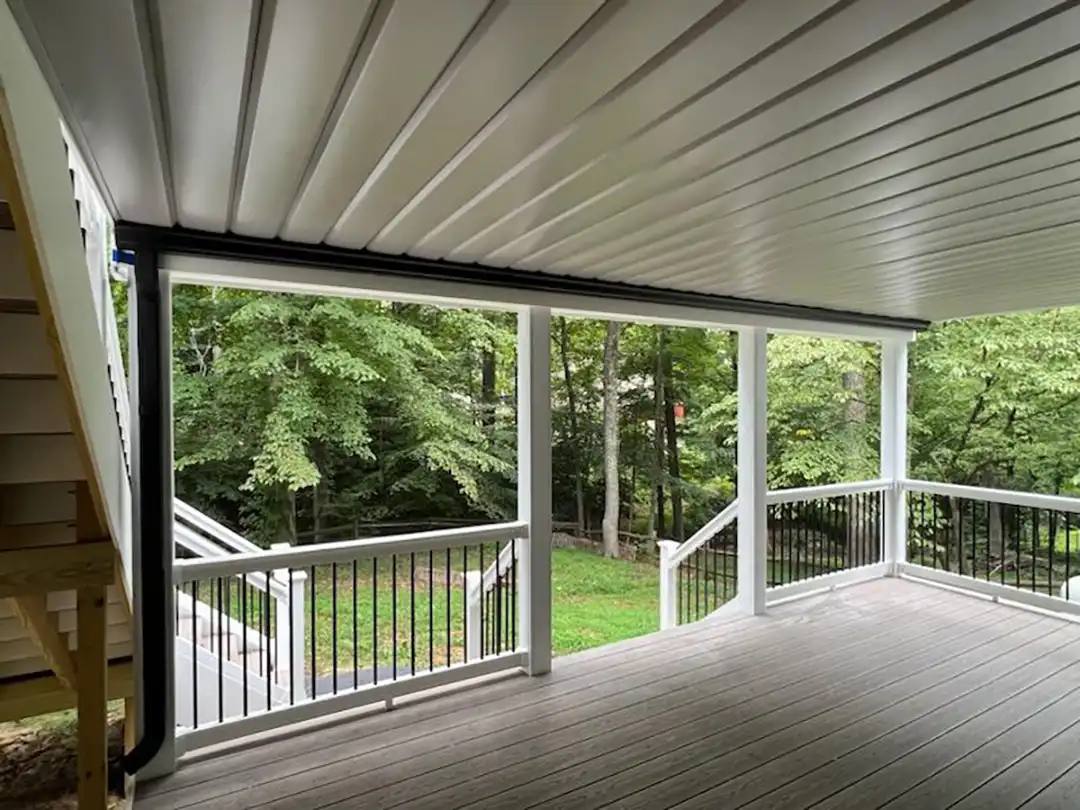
(534, 484)
(752, 468)
(894, 375)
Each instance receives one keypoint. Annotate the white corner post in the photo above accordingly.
(894, 376)
(668, 589)
(534, 484)
(474, 607)
(752, 460)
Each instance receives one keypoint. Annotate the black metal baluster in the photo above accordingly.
(375, 621)
(1034, 545)
(431, 608)
(1068, 552)
(266, 641)
(293, 674)
(514, 596)
(412, 612)
(465, 603)
(314, 668)
(355, 630)
(1019, 523)
(195, 654)
(697, 584)
(1051, 528)
(228, 612)
(244, 638)
(922, 528)
(498, 602)
(483, 638)
(222, 632)
(333, 623)
(393, 618)
(449, 651)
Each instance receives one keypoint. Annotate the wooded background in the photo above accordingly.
(300, 417)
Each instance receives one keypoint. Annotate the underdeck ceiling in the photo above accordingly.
(915, 159)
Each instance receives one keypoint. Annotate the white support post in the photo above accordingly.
(289, 638)
(894, 373)
(668, 591)
(534, 484)
(753, 523)
(474, 605)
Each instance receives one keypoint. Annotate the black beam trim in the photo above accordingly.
(151, 512)
(203, 244)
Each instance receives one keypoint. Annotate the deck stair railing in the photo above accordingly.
(812, 532)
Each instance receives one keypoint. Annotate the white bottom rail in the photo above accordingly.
(999, 592)
(826, 582)
(190, 739)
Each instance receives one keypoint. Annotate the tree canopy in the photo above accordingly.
(300, 416)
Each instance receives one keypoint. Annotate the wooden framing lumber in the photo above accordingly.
(92, 699)
(57, 568)
(34, 614)
(42, 694)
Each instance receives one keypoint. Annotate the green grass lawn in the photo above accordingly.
(596, 601)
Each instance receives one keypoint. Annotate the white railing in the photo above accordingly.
(1018, 546)
(673, 554)
(409, 594)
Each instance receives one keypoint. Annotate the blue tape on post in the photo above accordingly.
(123, 256)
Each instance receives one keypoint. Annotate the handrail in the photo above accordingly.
(325, 553)
(206, 549)
(1059, 503)
(796, 494)
(216, 531)
(503, 563)
(705, 533)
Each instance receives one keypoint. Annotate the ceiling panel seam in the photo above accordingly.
(471, 40)
(261, 24)
(150, 44)
(361, 51)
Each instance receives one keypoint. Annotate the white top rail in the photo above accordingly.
(325, 553)
(775, 496)
(503, 563)
(206, 549)
(1057, 503)
(825, 491)
(206, 524)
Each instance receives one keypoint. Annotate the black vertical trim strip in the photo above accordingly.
(151, 512)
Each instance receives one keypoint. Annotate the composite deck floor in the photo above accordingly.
(885, 694)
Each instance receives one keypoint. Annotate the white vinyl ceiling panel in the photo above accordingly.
(916, 159)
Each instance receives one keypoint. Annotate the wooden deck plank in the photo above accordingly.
(899, 760)
(535, 743)
(621, 667)
(598, 676)
(960, 696)
(748, 760)
(885, 691)
(1035, 766)
(1058, 795)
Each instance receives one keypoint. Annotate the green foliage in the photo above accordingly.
(297, 414)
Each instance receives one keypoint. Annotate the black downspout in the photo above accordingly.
(152, 535)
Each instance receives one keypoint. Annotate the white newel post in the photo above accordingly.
(753, 523)
(894, 375)
(474, 582)
(534, 484)
(668, 593)
(291, 629)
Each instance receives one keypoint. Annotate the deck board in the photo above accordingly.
(885, 691)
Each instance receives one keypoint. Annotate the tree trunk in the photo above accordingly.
(611, 440)
(575, 437)
(487, 389)
(670, 429)
(656, 482)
